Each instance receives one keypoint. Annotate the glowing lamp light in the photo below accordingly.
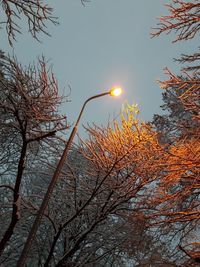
(116, 91)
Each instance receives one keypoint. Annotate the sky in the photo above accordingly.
(99, 45)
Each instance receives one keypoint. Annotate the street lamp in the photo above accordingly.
(115, 91)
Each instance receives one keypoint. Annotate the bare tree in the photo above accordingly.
(36, 13)
(177, 193)
(117, 169)
(190, 59)
(28, 106)
(184, 19)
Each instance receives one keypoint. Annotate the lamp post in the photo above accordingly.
(21, 262)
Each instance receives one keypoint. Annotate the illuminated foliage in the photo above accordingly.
(104, 191)
(188, 89)
(121, 144)
(177, 193)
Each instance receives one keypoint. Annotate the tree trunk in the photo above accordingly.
(16, 201)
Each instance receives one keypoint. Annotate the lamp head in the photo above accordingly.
(115, 91)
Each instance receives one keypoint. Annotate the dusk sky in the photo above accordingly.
(105, 43)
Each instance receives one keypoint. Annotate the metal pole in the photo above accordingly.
(22, 260)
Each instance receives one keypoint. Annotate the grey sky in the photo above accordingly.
(105, 43)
